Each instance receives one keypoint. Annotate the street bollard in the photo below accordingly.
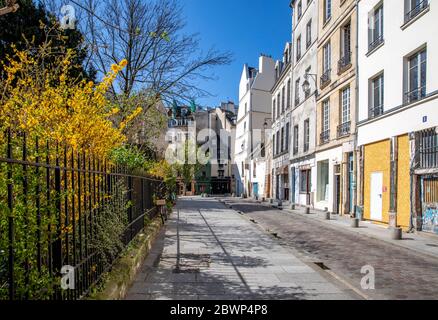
(292, 206)
(306, 210)
(396, 233)
(355, 222)
(327, 215)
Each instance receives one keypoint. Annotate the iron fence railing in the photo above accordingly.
(375, 111)
(344, 129)
(325, 78)
(324, 137)
(420, 7)
(415, 94)
(375, 43)
(53, 203)
(344, 62)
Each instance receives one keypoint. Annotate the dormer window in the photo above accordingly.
(299, 9)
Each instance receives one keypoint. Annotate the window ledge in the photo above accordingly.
(326, 22)
(370, 52)
(418, 16)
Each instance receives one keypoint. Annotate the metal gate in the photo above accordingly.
(429, 201)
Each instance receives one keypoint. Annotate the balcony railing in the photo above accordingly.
(415, 95)
(375, 111)
(423, 5)
(308, 43)
(324, 137)
(374, 44)
(298, 55)
(344, 129)
(297, 101)
(344, 63)
(326, 78)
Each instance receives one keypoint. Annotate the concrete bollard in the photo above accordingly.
(355, 222)
(306, 210)
(327, 215)
(396, 233)
(292, 206)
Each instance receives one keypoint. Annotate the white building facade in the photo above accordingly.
(281, 112)
(303, 119)
(254, 111)
(398, 111)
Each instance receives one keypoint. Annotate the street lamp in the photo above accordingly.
(306, 84)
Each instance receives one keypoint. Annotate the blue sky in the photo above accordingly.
(244, 27)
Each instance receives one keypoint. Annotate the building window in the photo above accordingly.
(416, 84)
(326, 64)
(376, 96)
(325, 132)
(246, 108)
(273, 109)
(221, 173)
(282, 140)
(287, 136)
(254, 170)
(345, 60)
(308, 34)
(274, 151)
(306, 135)
(327, 10)
(426, 143)
(288, 94)
(296, 128)
(414, 7)
(297, 92)
(278, 105)
(278, 142)
(300, 9)
(344, 127)
(244, 126)
(305, 179)
(283, 97)
(299, 47)
(375, 28)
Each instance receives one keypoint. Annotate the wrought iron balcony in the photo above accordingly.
(344, 129)
(325, 78)
(423, 5)
(415, 95)
(374, 44)
(324, 137)
(375, 111)
(344, 63)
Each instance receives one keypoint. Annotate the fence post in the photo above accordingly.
(57, 244)
(10, 221)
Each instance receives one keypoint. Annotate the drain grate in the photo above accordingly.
(322, 265)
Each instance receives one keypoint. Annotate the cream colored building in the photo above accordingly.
(335, 125)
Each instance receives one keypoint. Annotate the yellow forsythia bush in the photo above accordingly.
(44, 101)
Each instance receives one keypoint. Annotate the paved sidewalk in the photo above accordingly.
(210, 252)
(420, 243)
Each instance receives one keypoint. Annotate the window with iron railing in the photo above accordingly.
(376, 96)
(375, 28)
(416, 82)
(325, 78)
(308, 34)
(344, 62)
(414, 8)
(296, 133)
(325, 132)
(426, 149)
(306, 135)
(344, 127)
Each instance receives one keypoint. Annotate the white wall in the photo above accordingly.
(390, 58)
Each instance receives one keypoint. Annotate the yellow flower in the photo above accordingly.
(123, 63)
(115, 68)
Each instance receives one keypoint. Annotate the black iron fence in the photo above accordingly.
(65, 216)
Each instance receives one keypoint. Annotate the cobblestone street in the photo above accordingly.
(208, 251)
(399, 273)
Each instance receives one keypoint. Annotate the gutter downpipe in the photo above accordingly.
(355, 193)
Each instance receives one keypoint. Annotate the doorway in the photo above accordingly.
(376, 196)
